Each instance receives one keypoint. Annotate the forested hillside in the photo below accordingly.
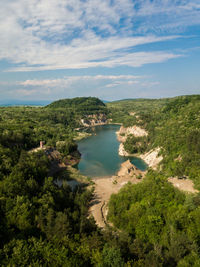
(161, 222)
(173, 125)
(42, 224)
(153, 224)
(81, 105)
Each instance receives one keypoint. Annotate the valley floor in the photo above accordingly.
(104, 188)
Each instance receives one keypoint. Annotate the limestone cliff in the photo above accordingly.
(123, 133)
(122, 152)
(94, 120)
(152, 158)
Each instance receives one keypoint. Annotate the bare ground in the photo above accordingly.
(104, 188)
(183, 184)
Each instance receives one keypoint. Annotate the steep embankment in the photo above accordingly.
(152, 158)
(94, 120)
(123, 134)
(173, 124)
(137, 131)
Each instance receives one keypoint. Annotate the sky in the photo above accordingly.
(111, 49)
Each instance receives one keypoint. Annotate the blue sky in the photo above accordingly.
(111, 49)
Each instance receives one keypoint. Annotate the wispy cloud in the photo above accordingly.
(66, 81)
(63, 34)
(105, 86)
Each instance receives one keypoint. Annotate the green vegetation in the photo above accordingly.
(120, 111)
(173, 124)
(136, 144)
(81, 105)
(161, 223)
(42, 224)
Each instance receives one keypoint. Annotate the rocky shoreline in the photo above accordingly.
(151, 158)
(123, 134)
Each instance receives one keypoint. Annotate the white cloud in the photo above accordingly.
(108, 87)
(69, 80)
(80, 60)
(25, 93)
(122, 83)
(105, 86)
(62, 34)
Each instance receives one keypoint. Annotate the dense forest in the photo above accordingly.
(43, 224)
(81, 105)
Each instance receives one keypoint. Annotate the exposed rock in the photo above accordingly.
(123, 133)
(152, 158)
(134, 130)
(121, 137)
(94, 120)
(179, 158)
(134, 114)
(122, 152)
(126, 168)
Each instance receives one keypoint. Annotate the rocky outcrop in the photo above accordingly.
(134, 130)
(152, 158)
(94, 120)
(179, 158)
(128, 169)
(123, 133)
(122, 152)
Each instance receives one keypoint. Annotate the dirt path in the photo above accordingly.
(104, 187)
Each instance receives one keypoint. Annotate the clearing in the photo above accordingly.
(183, 184)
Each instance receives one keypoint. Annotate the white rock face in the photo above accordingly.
(122, 152)
(152, 158)
(94, 120)
(123, 133)
(134, 130)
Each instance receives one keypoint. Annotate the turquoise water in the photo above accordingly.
(99, 153)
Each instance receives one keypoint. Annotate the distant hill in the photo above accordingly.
(15, 102)
(105, 101)
(84, 105)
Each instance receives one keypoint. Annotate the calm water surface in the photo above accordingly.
(99, 153)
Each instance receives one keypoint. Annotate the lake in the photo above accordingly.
(99, 153)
